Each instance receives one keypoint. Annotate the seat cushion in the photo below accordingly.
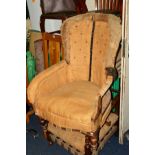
(70, 106)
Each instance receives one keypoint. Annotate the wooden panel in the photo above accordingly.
(113, 5)
(104, 4)
(117, 5)
(52, 46)
(57, 51)
(51, 52)
(54, 53)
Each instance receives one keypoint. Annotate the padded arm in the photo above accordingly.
(106, 85)
(47, 80)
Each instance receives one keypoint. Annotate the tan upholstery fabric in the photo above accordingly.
(76, 36)
(47, 80)
(77, 47)
(77, 139)
(73, 105)
(62, 93)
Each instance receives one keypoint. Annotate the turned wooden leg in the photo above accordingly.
(44, 124)
(87, 145)
(48, 138)
(46, 133)
(94, 139)
(91, 143)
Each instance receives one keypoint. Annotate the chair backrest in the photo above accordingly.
(114, 5)
(90, 44)
(49, 6)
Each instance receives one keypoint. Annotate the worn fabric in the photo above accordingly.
(103, 31)
(47, 80)
(77, 139)
(73, 105)
(70, 93)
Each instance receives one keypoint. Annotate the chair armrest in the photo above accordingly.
(106, 85)
(47, 79)
(99, 105)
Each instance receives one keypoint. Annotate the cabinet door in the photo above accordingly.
(124, 95)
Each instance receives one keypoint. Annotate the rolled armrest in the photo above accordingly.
(47, 79)
(106, 85)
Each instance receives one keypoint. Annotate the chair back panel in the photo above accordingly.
(106, 39)
(76, 37)
(90, 45)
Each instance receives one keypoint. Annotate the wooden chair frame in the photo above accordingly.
(91, 138)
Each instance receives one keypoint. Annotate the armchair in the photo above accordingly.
(72, 97)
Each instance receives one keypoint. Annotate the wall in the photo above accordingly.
(50, 25)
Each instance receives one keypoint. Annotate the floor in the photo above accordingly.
(39, 146)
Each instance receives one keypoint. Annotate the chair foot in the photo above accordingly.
(46, 133)
(33, 132)
(44, 124)
(91, 143)
(50, 142)
(87, 145)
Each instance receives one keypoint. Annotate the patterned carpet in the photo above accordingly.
(39, 146)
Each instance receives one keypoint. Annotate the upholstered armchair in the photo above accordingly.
(73, 98)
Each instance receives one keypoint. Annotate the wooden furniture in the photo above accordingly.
(110, 6)
(80, 7)
(52, 49)
(72, 97)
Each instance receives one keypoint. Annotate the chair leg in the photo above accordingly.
(91, 143)
(48, 138)
(46, 133)
(87, 145)
(44, 124)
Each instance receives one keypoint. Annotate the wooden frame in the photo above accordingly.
(52, 48)
(110, 6)
(91, 138)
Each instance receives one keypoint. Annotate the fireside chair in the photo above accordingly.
(73, 98)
